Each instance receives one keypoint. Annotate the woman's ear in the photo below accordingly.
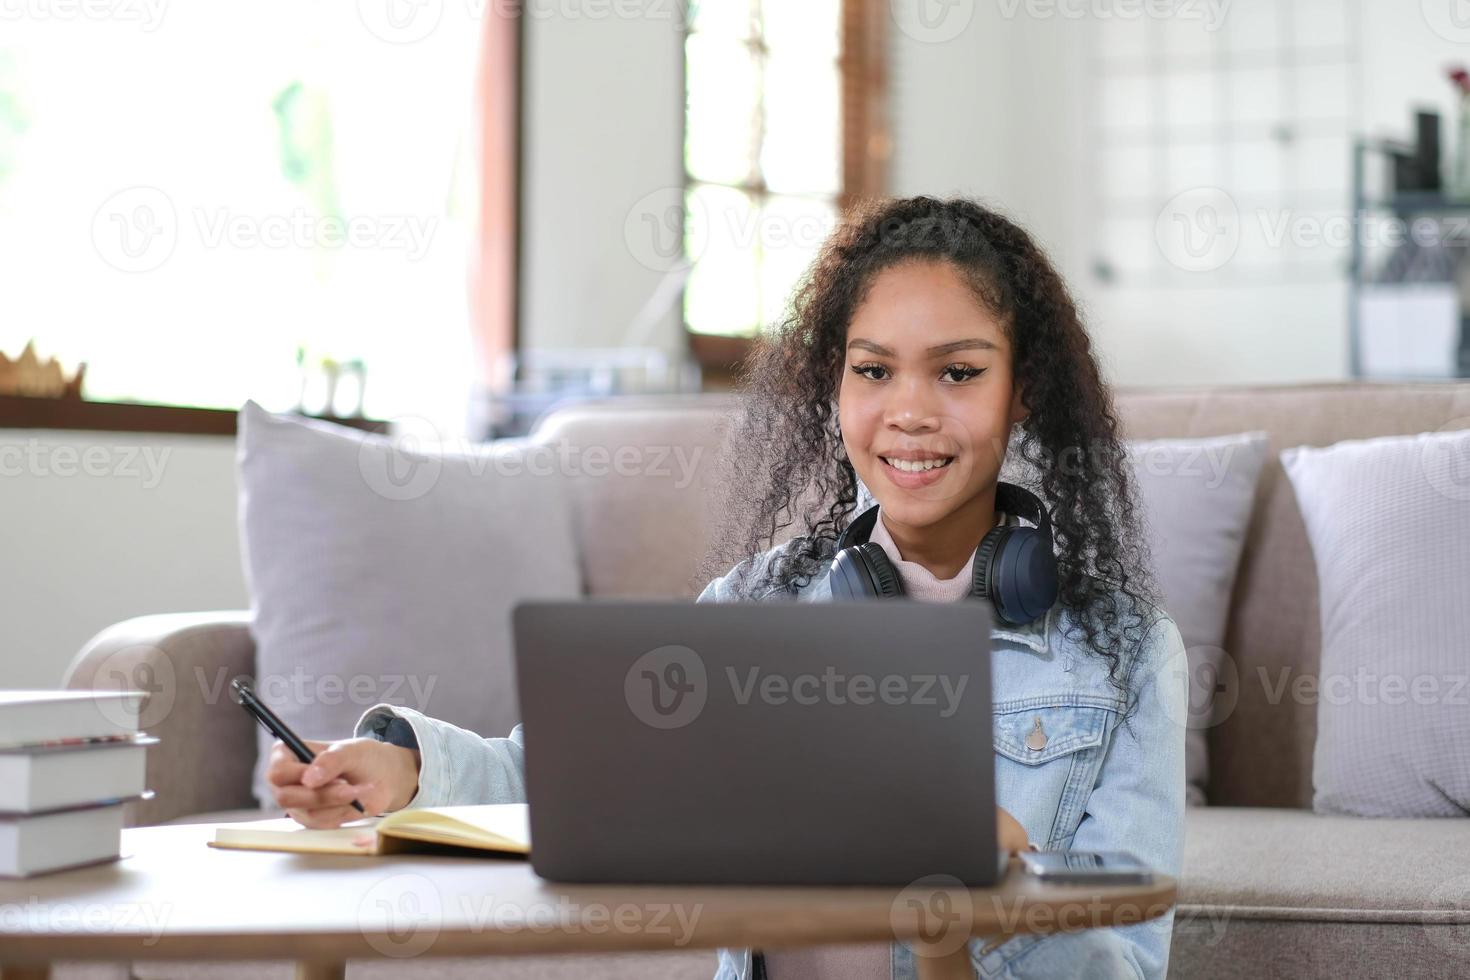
(1019, 411)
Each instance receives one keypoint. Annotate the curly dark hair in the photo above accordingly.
(785, 461)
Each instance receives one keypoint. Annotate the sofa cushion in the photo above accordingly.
(1389, 521)
(382, 572)
(1276, 863)
(1273, 634)
(1196, 495)
(642, 480)
(1274, 892)
(1252, 949)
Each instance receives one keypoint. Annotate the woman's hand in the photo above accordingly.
(380, 776)
(1009, 833)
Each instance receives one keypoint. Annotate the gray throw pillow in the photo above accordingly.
(1196, 495)
(381, 572)
(1389, 522)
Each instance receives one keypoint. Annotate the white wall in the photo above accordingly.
(604, 145)
(98, 527)
(1001, 111)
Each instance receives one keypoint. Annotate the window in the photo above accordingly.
(778, 135)
(1233, 124)
(190, 194)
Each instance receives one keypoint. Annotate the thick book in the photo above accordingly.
(501, 828)
(27, 717)
(69, 838)
(52, 775)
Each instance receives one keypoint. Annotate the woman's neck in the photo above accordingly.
(946, 547)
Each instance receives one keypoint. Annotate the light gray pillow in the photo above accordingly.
(381, 572)
(1196, 495)
(1389, 522)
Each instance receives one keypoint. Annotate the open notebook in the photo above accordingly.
(501, 828)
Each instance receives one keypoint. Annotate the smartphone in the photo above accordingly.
(1086, 867)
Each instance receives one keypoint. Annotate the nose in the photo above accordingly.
(911, 407)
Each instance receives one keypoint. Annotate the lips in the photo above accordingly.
(913, 470)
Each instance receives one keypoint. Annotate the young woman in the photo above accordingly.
(932, 344)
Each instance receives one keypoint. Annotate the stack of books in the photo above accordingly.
(69, 760)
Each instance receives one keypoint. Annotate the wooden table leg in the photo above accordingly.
(315, 970)
(42, 972)
(948, 966)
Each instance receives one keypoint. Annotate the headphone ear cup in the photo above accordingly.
(885, 576)
(985, 561)
(1023, 576)
(863, 571)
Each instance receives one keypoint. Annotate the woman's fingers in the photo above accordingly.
(324, 818)
(333, 794)
(284, 769)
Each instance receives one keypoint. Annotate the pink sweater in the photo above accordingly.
(871, 962)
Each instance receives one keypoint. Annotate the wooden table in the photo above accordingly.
(171, 897)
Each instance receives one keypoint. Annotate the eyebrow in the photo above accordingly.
(939, 349)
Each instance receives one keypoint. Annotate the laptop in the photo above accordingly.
(776, 742)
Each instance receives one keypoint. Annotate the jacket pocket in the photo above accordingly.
(1035, 734)
(1049, 752)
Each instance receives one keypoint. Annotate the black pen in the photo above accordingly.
(245, 698)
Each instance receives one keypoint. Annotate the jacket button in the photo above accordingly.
(1036, 741)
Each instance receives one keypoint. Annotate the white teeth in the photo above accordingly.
(916, 466)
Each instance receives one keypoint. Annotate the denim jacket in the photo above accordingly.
(1094, 785)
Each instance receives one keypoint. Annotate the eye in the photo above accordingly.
(863, 369)
(964, 371)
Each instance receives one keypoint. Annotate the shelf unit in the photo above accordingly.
(1405, 206)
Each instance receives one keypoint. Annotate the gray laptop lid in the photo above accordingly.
(758, 742)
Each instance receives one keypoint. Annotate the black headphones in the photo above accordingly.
(1014, 565)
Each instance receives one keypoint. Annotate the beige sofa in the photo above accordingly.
(1268, 887)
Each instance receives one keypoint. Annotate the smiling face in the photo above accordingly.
(926, 404)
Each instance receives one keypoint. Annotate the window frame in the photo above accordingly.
(864, 149)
